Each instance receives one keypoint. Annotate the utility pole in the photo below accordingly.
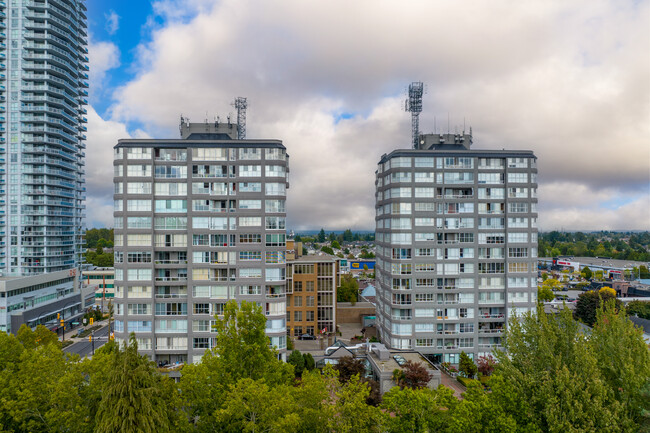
(92, 342)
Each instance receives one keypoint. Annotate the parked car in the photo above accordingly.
(307, 337)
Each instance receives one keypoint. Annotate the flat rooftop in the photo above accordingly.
(391, 364)
(602, 262)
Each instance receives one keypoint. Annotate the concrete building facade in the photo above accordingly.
(43, 82)
(456, 234)
(198, 221)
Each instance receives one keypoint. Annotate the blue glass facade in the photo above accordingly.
(43, 91)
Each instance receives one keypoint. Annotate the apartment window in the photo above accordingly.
(275, 240)
(250, 187)
(250, 204)
(517, 267)
(171, 189)
(139, 309)
(517, 162)
(515, 207)
(138, 187)
(518, 237)
(274, 206)
(250, 255)
(250, 221)
(143, 170)
(309, 316)
(275, 154)
(275, 223)
(138, 205)
(171, 206)
(297, 301)
(490, 268)
(275, 188)
(250, 238)
(309, 300)
(138, 153)
(138, 222)
(201, 308)
(141, 257)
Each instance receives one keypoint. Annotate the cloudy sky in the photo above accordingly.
(569, 80)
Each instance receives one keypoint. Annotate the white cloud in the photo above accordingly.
(564, 79)
(103, 57)
(102, 136)
(112, 22)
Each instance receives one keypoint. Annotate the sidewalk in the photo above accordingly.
(453, 384)
(71, 334)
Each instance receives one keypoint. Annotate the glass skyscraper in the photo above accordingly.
(43, 91)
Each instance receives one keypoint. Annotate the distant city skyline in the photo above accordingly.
(563, 79)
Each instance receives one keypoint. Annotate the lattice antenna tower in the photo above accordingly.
(241, 104)
(414, 106)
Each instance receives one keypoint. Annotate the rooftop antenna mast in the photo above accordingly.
(414, 106)
(241, 104)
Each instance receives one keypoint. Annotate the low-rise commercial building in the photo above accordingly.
(101, 280)
(41, 300)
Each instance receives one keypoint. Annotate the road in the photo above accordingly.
(84, 347)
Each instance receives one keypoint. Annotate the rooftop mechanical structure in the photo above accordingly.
(414, 106)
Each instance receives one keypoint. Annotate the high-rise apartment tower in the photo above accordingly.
(456, 242)
(198, 221)
(43, 82)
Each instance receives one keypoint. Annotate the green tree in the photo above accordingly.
(327, 250)
(623, 357)
(349, 289)
(589, 302)
(336, 245)
(321, 236)
(242, 352)
(310, 364)
(418, 410)
(639, 308)
(586, 272)
(135, 399)
(298, 361)
(544, 294)
(253, 406)
(467, 366)
(548, 380)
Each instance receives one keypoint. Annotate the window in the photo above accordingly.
(139, 257)
(171, 189)
(250, 170)
(276, 154)
(517, 267)
(490, 268)
(209, 154)
(138, 187)
(171, 206)
(250, 187)
(138, 205)
(250, 221)
(138, 240)
(491, 178)
(275, 188)
(275, 240)
(201, 308)
(143, 170)
(139, 274)
(250, 238)
(517, 162)
(138, 153)
(517, 177)
(171, 172)
(275, 223)
(517, 237)
(250, 255)
(273, 206)
(138, 222)
(275, 171)
(171, 309)
(250, 154)
(515, 207)
(171, 223)
(250, 204)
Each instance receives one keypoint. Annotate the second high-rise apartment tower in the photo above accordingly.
(198, 221)
(43, 82)
(456, 245)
